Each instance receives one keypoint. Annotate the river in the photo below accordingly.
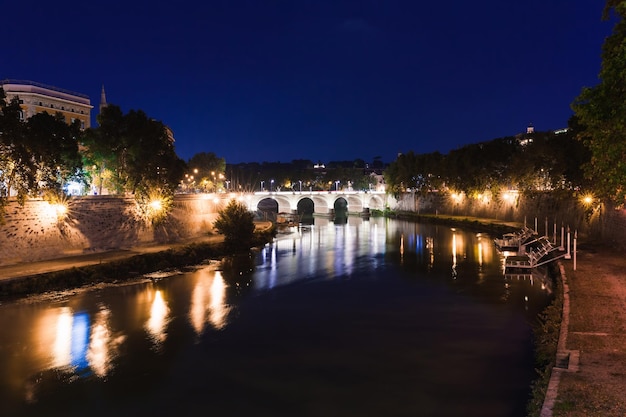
(368, 318)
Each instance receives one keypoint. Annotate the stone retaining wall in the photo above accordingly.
(96, 223)
(598, 221)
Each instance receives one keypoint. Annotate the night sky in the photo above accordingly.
(324, 80)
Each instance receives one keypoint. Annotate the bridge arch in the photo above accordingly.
(283, 205)
(375, 202)
(323, 201)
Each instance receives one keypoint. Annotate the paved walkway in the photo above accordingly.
(592, 373)
(24, 269)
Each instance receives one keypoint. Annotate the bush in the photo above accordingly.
(236, 223)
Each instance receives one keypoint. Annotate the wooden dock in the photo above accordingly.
(538, 252)
(522, 262)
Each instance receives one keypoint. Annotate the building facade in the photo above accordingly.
(38, 98)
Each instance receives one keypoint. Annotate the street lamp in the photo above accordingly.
(300, 181)
(336, 185)
(262, 182)
(271, 185)
(227, 184)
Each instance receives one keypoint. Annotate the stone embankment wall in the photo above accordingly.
(96, 223)
(594, 221)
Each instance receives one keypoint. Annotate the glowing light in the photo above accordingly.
(457, 197)
(156, 205)
(510, 196)
(158, 317)
(587, 199)
(54, 212)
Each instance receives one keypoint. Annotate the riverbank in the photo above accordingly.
(27, 278)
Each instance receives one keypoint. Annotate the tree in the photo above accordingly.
(137, 152)
(207, 170)
(18, 172)
(601, 112)
(236, 223)
(54, 148)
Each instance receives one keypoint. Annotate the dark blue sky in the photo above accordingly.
(262, 80)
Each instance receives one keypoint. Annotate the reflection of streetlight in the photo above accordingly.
(271, 185)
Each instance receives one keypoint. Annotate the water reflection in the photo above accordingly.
(103, 344)
(94, 335)
(208, 300)
(157, 322)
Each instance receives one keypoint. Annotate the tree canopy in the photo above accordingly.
(601, 113)
(131, 152)
(37, 155)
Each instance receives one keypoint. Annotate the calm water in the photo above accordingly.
(369, 318)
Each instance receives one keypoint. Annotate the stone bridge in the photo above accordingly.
(323, 201)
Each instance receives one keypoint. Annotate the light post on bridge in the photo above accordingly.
(262, 182)
(336, 186)
(271, 185)
(300, 181)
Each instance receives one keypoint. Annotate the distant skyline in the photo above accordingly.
(325, 80)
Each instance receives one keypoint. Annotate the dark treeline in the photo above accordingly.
(305, 175)
(534, 161)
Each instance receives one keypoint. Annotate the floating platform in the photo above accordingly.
(522, 262)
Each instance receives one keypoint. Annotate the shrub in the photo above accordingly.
(236, 223)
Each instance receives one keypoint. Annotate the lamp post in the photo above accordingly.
(300, 181)
(271, 185)
(336, 186)
(262, 182)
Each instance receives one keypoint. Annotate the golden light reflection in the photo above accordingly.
(218, 308)
(208, 301)
(430, 246)
(62, 347)
(157, 322)
(454, 254)
(103, 345)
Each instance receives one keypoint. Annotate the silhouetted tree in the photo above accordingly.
(236, 223)
(601, 111)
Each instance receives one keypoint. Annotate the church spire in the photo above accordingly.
(103, 99)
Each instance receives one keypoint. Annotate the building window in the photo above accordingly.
(52, 106)
(40, 103)
(82, 124)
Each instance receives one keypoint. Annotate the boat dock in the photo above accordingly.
(533, 253)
